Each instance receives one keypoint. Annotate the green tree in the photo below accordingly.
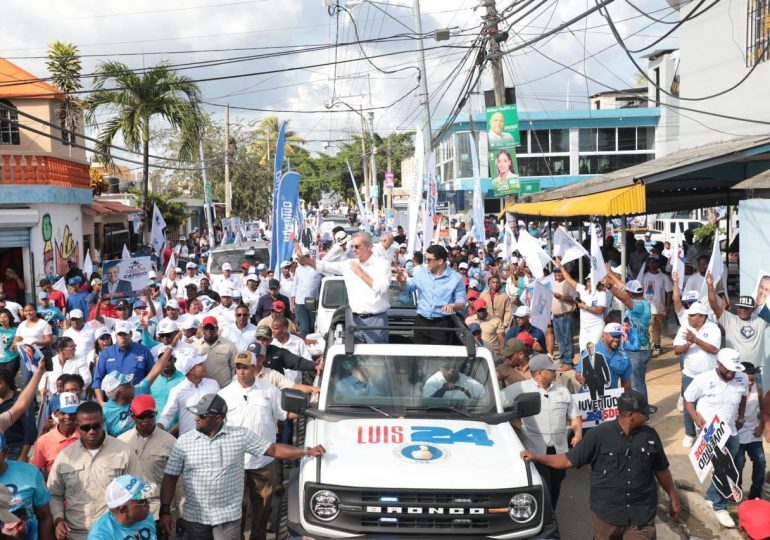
(64, 66)
(174, 213)
(138, 98)
(267, 140)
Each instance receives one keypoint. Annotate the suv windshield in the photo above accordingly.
(409, 385)
(237, 256)
(335, 295)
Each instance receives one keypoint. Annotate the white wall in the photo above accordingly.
(667, 132)
(713, 50)
(66, 238)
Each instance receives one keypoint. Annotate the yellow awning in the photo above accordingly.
(624, 201)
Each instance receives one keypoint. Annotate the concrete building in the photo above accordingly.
(43, 180)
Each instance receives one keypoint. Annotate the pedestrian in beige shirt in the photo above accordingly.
(498, 303)
(82, 472)
(562, 308)
(492, 330)
(151, 445)
(218, 351)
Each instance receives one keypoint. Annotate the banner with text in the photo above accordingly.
(709, 453)
(596, 411)
(284, 219)
(503, 137)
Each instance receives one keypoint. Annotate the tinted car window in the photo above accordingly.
(236, 257)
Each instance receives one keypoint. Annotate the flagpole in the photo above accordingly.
(206, 198)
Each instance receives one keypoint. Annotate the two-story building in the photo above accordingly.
(43, 180)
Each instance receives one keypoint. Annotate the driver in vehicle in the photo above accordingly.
(356, 383)
(449, 383)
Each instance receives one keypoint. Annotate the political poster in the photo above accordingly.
(599, 410)
(540, 310)
(125, 277)
(502, 139)
(708, 453)
(761, 291)
(504, 170)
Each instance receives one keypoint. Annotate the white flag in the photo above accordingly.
(415, 193)
(566, 247)
(171, 264)
(477, 212)
(533, 252)
(158, 234)
(677, 258)
(61, 286)
(126, 254)
(88, 266)
(716, 265)
(598, 271)
(540, 310)
(509, 242)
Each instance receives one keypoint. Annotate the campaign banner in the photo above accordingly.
(478, 231)
(504, 170)
(503, 126)
(284, 219)
(126, 277)
(603, 408)
(708, 453)
(390, 180)
(503, 137)
(277, 177)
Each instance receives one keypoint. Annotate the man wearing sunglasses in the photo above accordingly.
(150, 444)
(82, 472)
(210, 461)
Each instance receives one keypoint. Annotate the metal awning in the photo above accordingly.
(760, 181)
(616, 202)
(691, 178)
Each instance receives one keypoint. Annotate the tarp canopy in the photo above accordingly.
(616, 202)
(692, 178)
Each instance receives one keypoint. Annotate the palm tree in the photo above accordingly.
(137, 98)
(64, 66)
(265, 146)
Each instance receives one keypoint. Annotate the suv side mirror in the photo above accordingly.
(294, 401)
(527, 404)
(311, 304)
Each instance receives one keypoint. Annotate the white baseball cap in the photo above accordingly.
(731, 359)
(698, 309)
(521, 311)
(227, 291)
(178, 270)
(113, 380)
(152, 274)
(252, 277)
(167, 326)
(613, 328)
(187, 358)
(123, 327)
(463, 265)
(634, 286)
(127, 488)
(261, 267)
(190, 323)
(285, 264)
(76, 314)
(226, 266)
(191, 265)
(173, 304)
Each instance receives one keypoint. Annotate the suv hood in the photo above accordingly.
(419, 452)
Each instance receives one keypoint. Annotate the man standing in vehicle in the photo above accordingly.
(367, 280)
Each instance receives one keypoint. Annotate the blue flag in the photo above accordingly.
(283, 230)
(277, 176)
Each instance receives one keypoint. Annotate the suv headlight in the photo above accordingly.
(325, 505)
(522, 508)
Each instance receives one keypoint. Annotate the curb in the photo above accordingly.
(697, 520)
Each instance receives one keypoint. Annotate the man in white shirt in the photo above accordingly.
(188, 392)
(720, 392)
(546, 432)
(192, 276)
(287, 280)
(255, 403)
(250, 294)
(242, 333)
(294, 344)
(307, 284)
(81, 333)
(367, 281)
(340, 250)
(225, 311)
(697, 343)
(658, 289)
(386, 248)
(226, 281)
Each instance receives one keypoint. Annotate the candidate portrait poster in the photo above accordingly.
(503, 137)
(124, 278)
(761, 291)
(709, 454)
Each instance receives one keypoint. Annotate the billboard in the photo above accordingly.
(503, 137)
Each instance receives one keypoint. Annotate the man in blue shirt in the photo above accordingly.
(440, 293)
(50, 313)
(124, 356)
(76, 298)
(521, 318)
(614, 356)
(29, 496)
(129, 516)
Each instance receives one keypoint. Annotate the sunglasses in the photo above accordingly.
(168, 335)
(88, 427)
(204, 416)
(241, 314)
(149, 415)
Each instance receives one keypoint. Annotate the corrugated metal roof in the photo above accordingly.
(106, 207)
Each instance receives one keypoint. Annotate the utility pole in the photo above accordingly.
(207, 198)
(367, 193)
(498, 80)
(427, 132)
(372, 152)
(228, 188)
(389, 200)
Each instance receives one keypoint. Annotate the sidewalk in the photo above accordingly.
(663, 386)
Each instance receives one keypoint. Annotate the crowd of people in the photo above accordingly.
(106, 403)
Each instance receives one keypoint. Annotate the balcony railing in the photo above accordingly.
(43, 170)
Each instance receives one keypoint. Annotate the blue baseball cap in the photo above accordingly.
(76, 280)
(66, 402)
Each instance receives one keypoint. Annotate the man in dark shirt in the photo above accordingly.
(278, 358)
(522, 324)
(624, 455)
(265, 303)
